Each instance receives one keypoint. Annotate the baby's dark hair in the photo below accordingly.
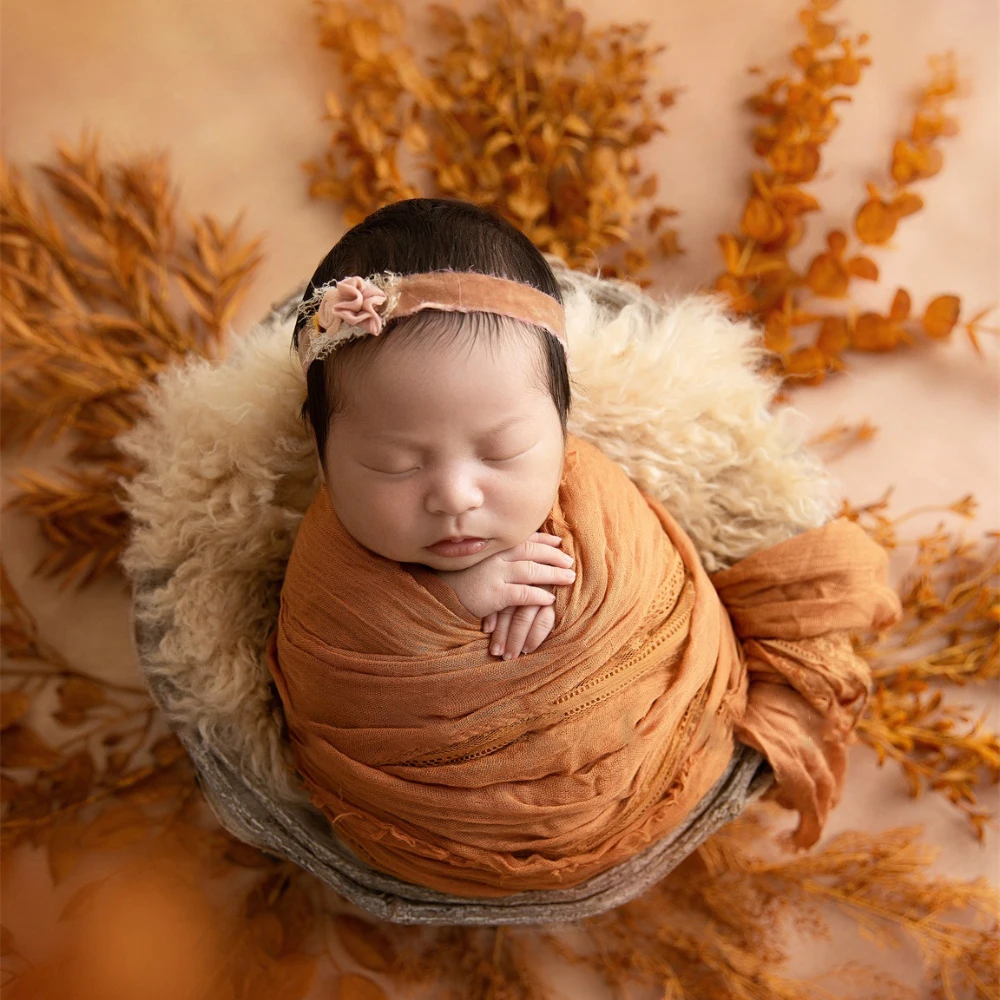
(414, 237)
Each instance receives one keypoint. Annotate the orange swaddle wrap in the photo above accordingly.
(449, 768)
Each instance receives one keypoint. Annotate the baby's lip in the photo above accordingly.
(464, 538)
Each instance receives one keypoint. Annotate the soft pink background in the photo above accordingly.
(234, 90)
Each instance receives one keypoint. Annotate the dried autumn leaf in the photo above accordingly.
(80, 694)
(827, 276)
(900, 308)
(931, 124)
(941, 315)
(875, 221)
(797, 163)
(806, 363)
(833, 337)
(14, 706)
(777, 336)
(914, 161)
(416, 138)
(873, 332)
(863, 267)
(365, 942)
(761, 222)
(731, 252)
(906, 203)
(21, 746)
(354, 987)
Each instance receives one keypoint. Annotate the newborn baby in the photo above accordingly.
(442, 439)
(433, 342)
(453, 426)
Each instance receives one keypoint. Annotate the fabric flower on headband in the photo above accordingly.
(353, 300)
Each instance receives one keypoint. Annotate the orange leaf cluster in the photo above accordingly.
(759, 277)
(89, 308)
(949, 633)
(914, 157)
(800, 113)
(523, 108)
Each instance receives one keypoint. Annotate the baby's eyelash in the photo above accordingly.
(405, 471)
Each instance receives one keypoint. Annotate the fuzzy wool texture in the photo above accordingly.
(666, 389)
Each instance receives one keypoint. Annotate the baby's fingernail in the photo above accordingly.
(495, 650)
(508, 656)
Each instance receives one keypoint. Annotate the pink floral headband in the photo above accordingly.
(360, 307)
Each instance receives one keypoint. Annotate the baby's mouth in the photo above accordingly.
(465, 547)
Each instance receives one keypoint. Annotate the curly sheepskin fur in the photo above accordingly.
(669, 391)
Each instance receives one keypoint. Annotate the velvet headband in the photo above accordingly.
(359, 307)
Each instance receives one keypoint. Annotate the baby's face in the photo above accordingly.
(454, 442)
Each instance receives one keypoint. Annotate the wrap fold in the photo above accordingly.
(451, 769)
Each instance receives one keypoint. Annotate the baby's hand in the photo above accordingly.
(516, 577)
(518, 630)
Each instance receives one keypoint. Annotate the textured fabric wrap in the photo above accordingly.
(440, 764)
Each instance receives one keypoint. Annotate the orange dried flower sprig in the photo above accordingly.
(949, 633)
(801, 116)
(523, 108)
(88, 299)
(760, 279)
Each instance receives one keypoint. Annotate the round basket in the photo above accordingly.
(256, 812)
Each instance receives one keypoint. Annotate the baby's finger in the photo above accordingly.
(489, 622)
(516, 595)
(540, 628)
(538, 574)
(541, 536)
(540, 548)
(498, 639)
(547, 554)
(520, 626)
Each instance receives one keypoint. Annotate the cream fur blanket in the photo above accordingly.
(666, 390)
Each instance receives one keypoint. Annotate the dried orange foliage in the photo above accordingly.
(88, 300)
(950, 632)
(710, 929)
(914, 157)
(87, 792)
(845, 436)
(761, 280)
(521, 108)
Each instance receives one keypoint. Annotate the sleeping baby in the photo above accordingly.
(502, 666)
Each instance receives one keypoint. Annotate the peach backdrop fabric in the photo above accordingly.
(234, 90)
